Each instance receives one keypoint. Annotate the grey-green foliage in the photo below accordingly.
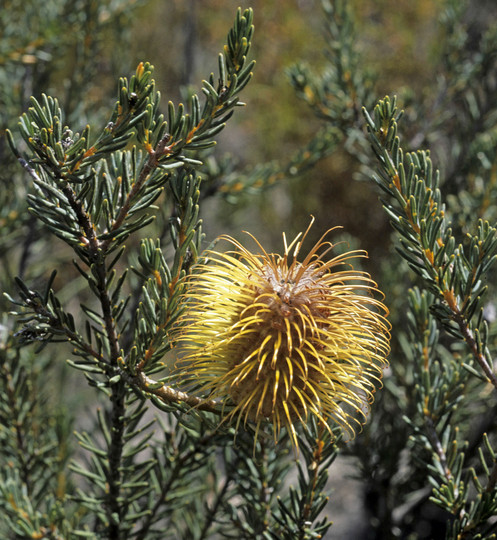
(431, 437)
(141, 472)
(50, 49)
(178, 474)
(452, 380)
(35, 450)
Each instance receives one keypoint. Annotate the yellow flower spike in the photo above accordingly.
(282, 340)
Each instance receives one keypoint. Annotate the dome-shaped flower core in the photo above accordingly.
(284, 340)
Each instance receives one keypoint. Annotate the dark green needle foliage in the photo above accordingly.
(453, 378)
(100, 228)
(427, 458)
(142, 463)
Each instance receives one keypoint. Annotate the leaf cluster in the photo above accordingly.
(448, 385)
(428, 424)
(178, 473)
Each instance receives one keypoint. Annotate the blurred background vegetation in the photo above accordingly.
(76, 50)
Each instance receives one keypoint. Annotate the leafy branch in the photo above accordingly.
(93, 193)
(452, 292)
(451, 271)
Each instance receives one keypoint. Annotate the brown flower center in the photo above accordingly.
(274, 361)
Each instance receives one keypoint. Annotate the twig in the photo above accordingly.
(170, 395)
(471, 342)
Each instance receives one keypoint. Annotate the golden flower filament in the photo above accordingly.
(284, 340)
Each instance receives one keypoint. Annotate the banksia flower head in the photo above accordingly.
(281, 340)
